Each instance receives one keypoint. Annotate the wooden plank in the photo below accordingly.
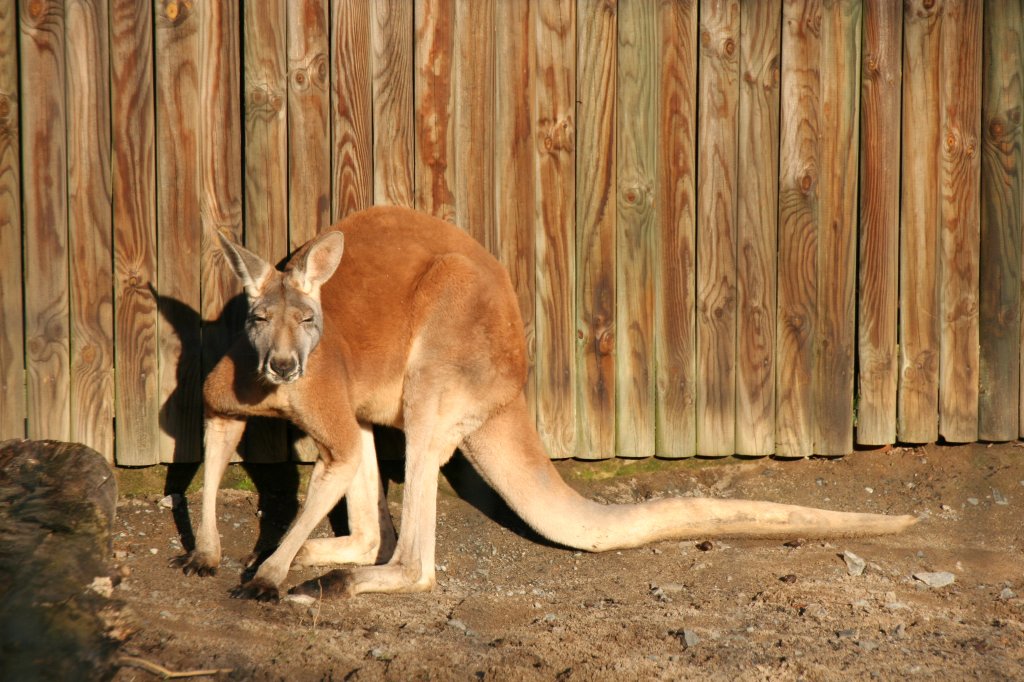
(393, 131)
(636, 123)
(556, 178)
(917, 401)
(351, 108)
(1001, 215)
(716, 220)
(473, 143)
(961, 216)
(178, 230)
(835, 330)
(89, 226)
(515, 164)
(799, 171)
(434, 157)
(881, 90)
(596, 203)
(134, 182)
(757, 227)
(675, 295)
(45, 215)
(12, 346)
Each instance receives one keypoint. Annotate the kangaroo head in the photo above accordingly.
(285, 320)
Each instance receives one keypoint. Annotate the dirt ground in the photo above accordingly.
(511, 607)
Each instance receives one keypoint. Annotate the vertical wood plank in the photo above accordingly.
(636, 123)
(799, 172)
(834, 336)
(881, 91)
(960, 234)
(393, 103)
(134, 181)
(265, 78)
(178, 230)
(12, 348)
(89, 225)
(473, 99)
(351, 108)
(757, 227)
(556, 276)
(434, 159)
(1001, 215)
(917, 402)
(675, 295)
(716, 221)
(44, 159)
(515, 164)
(595, 227)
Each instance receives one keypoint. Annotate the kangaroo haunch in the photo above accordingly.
(418, 327)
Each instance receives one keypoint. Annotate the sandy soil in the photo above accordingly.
(509, 606)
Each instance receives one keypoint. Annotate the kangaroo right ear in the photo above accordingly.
(251, 270)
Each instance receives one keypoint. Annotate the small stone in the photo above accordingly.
(867, 644)
(788, 579)
(815, 611)
(299, 600)
(793, 544)
(549, 618)
(120, 554)
(154, 550)
(854, 564)
(899, 631)
(688, 637)
(945, 507)
(869, 490)
(1007, 594)
(102, 585)
(973, 501)
(846, 634)
(440, 568)
(457, 624)
(999, 498)
(861, 604)
(172, 501)
(705, 546)
(936, 578)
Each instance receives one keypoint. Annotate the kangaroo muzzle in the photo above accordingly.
(282, 369)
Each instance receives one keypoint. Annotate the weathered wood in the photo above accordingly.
(881, 91)
(1001, 215)
(595, 227)
(716, 224)
(473, 99)
(835, 328)
(917, 401)
(351, 108)
(960, 233)
(57, 503)
(556, 179)
(45, 214)
(178, 231)
(393, 131)
(757, 226)
(799, 171)
(635, 136)
(12, 346)
(675, 295)
(434, 151)
(134, 233)
(515, 164)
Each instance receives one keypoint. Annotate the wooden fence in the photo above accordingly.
(735, 227)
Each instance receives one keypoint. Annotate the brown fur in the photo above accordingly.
(421, 330)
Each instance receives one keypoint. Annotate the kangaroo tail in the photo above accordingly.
(508, 454)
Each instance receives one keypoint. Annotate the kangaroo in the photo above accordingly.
(419, 328)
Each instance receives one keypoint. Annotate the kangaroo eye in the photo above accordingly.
(308, 320)
(258, 319)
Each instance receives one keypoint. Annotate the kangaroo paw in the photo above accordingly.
(196, 563)
(336, 583)
(258, 589)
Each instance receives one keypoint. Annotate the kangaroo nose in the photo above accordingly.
(284, 367)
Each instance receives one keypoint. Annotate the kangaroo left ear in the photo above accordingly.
(319, 262)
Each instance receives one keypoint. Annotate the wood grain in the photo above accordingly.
(556, 179)
(636, 141)
(178, 229)
(799, 171)
(89, 225)
(515, 164)
(596, 203)
(473, 100)
(351, 108)
(1001, 215)
(716, 221)
(835, 330)
(675, 294)
(392, 28)
(12, 342)
(961, 216)
(881, 95)
(917, 401)
(434, 125)
(134, 183)
(757, 225)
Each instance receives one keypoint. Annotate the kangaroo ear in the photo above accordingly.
(251, 270)
(318, 263)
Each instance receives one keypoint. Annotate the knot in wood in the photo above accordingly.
(807, 182)
(5, 107)
(729, 47)
(36, 9)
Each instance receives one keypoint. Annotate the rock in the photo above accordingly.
(705, 546)
(172, 501)
(999, 498)
(936, 579)
(854, 564)
(973, 501)
(815, 611)
(299, 600)
(1007, 594)
(57, 504)
(457, 624)
(688, 637)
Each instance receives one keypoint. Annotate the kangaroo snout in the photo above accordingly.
(283, 370)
